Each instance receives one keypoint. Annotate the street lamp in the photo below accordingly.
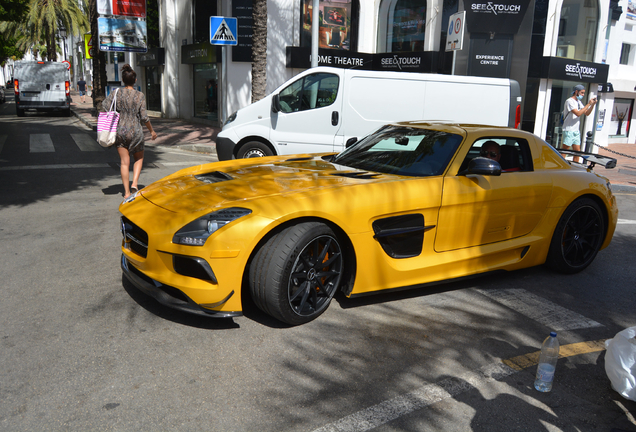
(62, 31)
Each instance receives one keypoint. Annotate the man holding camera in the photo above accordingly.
(574, 109)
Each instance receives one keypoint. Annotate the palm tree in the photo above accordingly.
(47, 17)
(42, 23)
(259, 49)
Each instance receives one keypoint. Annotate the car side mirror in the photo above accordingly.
(276, 103)
(482, 166)
(351, 141)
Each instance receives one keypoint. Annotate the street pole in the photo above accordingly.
(314, 33)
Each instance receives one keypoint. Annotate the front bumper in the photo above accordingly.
(225, 148)
(170, 296)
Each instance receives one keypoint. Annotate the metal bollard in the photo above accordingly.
(589, 145)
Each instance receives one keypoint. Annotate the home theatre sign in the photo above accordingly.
(300, 57)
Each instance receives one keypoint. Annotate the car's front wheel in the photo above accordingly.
(296, 273)
(577, 238)
(254, 149)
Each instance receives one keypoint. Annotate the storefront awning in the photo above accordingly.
(567, 69)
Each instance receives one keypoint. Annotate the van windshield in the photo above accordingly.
(403, 151)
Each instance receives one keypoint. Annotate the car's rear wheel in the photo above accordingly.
(254, 149)
(577, 237)
(20, 112)
(295, 274)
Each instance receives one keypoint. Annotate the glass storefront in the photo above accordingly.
(561, 91)
(404, 25)
(578, 27)
(334, 19)
(620, 118)
(153, 88)
(206, 91)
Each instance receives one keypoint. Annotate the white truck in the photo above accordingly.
(323, 108)
(42, 86)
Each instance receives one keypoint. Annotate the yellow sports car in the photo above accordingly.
(411, 204)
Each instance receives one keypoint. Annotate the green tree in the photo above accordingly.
(42, 23)
(13, 10)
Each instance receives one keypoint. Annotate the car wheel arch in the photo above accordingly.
(350, 255)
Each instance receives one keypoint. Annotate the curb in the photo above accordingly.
(83, 119)
(623, 188)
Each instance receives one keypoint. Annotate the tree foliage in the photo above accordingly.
(42, 22)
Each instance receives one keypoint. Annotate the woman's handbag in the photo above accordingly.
(107, 124)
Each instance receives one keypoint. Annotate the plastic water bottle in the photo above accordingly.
(547, 363)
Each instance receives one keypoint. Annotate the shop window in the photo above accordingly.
(337, 20)
(402, 26)
(621, 116)
(625, 54)
(578, 27)
(206, 91)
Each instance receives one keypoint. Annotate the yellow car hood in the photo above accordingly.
(221, 184)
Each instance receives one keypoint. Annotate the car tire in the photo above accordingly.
(66, 113)
(20, 112)
(577, 238)
(254, 149)
(296, 273)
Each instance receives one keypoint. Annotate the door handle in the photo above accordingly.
(334, 118)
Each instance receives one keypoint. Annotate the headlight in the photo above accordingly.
(197, 232)
(131, 197)
(230, 119)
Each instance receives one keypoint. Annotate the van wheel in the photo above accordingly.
(66, 113)
(254, 149)
(20, 112)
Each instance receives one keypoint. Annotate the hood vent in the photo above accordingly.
(358, 175)
(213, 177)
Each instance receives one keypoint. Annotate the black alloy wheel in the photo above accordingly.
(294, 276)
(578, 237)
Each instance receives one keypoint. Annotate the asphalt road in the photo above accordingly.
(81, 349)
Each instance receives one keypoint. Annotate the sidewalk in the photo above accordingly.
(176, 133)
(200, 138)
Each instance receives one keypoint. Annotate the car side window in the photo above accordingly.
(513, 154)
(310, 92)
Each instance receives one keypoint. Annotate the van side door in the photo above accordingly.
(309, 116)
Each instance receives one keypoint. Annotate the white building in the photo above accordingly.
(548, 46)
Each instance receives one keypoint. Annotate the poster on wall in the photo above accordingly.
(130, 8)
(335, 24)
(242, 11)
(631, 10)
(122, 35)
(620, 118)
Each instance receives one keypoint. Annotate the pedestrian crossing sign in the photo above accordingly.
(223, 31)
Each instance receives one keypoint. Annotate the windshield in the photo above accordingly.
(403, 151)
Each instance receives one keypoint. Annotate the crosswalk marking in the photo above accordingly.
(54, 166)
(40, 143)
(3, 138)
(539, 309)
(86, 143)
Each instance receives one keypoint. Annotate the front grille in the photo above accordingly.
(135, 237)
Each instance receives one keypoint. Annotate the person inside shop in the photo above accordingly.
(573, 110)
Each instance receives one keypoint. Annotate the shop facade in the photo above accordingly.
(548, 46)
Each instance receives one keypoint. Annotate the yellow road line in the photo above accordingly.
(532, 359)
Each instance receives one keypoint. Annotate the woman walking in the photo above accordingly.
(131, 105)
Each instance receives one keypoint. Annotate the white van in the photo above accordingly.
(42, 86)
(322, 108)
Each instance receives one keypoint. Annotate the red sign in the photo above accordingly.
(132, 8)
(68, 64)
(129, 8)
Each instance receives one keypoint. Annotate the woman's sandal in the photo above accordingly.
(133, 190)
